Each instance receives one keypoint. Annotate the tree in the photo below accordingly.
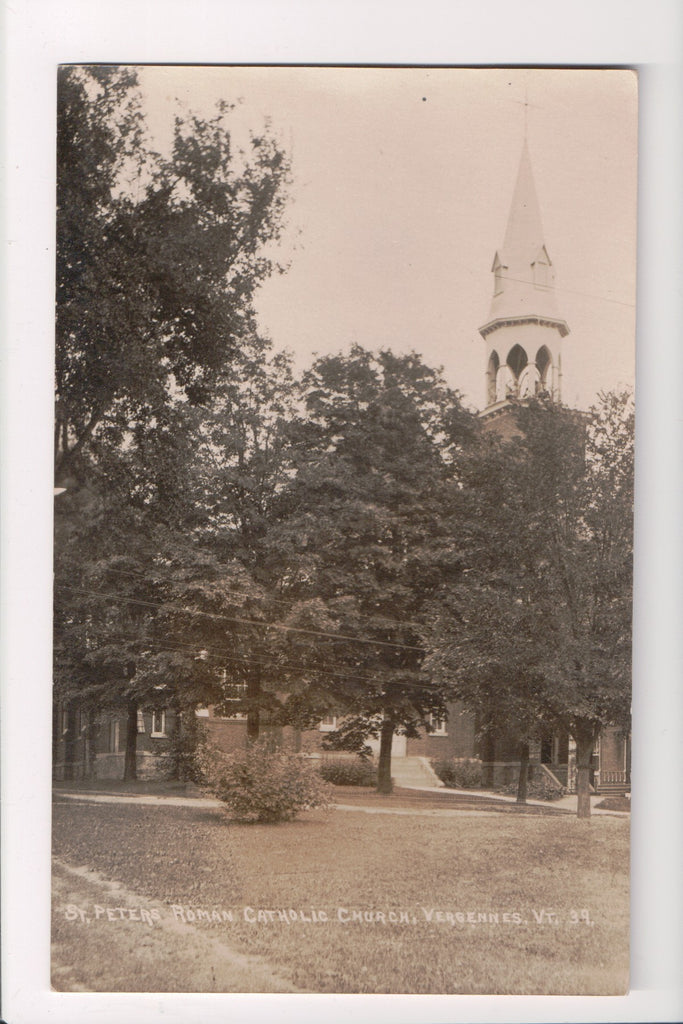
(540, 633)
(486, 637)
(592, 557)
(363, 521)
(158, 259)
(114, 541)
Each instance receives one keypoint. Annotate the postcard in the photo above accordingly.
(343, 530)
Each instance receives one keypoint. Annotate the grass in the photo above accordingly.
(437, 799)
(380, 863)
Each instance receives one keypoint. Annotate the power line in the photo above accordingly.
(553, 288)
(241, 593)
(174, 646)
(570, 291)
(232, 618)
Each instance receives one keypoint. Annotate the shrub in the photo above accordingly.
(459, 772)
(348, 772)
(262, 783)
(539, 787)
(180, 759)
(615, 803)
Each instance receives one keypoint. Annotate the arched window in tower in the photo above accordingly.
(544, 363)
(506, 385)
(529, 381)
(517, 360)
(491, 375)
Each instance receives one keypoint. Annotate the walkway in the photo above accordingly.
(567, 803)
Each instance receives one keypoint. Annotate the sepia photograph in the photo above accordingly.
(343, 529)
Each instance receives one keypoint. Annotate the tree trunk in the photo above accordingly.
(488, 756)
(384, 784)
(90, 737)
(70, 742)
(130, 767)
(584, 751)
(253, 710)
(55, 736)
(523, 773)
(179, 742)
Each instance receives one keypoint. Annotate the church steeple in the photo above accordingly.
(524, 330)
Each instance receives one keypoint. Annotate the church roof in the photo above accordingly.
(523, 268)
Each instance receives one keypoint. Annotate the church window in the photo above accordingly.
(158, 723)
(438, 726)
(491, 375)
(113, 738)
(517, 359)
(505, 383)
(529, 381)
(545, 368)
(328, 723)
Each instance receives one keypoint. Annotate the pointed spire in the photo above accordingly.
(524, 233)
(523, 269)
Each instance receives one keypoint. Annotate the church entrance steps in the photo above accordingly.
(414, 772)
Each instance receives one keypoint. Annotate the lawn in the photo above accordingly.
(158, 898)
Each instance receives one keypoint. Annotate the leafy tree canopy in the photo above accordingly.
(366, 525)
(539, 633)
(157, 258)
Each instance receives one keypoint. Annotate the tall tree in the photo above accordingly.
(591, 547)
(158, 259)
(368, 539)
(543, 622)
(232, 588)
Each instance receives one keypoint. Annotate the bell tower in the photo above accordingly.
(524, 331)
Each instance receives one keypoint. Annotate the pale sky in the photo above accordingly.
(402, 182)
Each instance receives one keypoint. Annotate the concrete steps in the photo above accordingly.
(413, 772)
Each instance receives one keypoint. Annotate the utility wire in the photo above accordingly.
(176, 646)
(220, 659)
(241, 593)
(138, 602)
(555, 288)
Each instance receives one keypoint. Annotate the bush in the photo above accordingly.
(615, 803)
(348, 772)
(459, 772)
(539, 787)
(262, 783)
(180, 759)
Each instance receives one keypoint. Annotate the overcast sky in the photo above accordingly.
(402, 182)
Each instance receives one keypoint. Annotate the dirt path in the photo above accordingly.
(122, 941)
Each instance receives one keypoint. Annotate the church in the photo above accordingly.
(522, 337)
